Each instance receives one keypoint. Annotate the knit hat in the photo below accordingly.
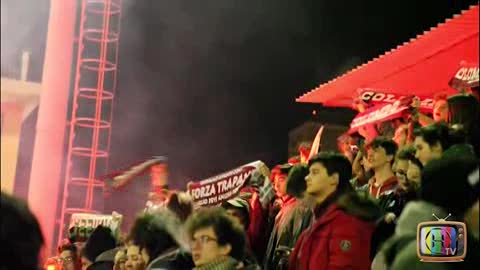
(451, 183)
(99, 241)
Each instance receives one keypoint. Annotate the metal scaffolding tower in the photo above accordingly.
(91, 116)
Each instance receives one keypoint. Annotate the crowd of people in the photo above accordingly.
(357, 208)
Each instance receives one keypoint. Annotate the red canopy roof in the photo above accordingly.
(423, 66)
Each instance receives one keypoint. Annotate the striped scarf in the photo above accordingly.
(223, 263)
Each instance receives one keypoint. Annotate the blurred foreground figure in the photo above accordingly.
(217, 240)
(20, 235)
(155, 242)
(95, 253)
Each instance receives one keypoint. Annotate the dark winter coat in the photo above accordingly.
(173, 260)
(292, 219)
(390, 203)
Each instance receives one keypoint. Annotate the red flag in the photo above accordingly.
(316, 143)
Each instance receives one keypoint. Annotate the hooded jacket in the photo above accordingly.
(400, 251)
(340, 237)
(292, 219)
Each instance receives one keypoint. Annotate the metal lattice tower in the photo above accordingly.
(92, 107)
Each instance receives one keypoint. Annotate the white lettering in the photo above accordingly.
(451, 251)
(367, 95)
(390, 98)
(378, 97)
(468, 74)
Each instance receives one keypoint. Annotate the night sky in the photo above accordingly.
(212, 84)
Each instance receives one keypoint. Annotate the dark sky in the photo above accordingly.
(211, 84)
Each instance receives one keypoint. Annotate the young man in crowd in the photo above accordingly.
(292, 219)
(440, 111)
(431, 141)
(381, 154)
(340, 236)
(393, 203)
(441, 196)
(217, 241)
(68, 254)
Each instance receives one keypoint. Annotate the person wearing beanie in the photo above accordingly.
(100, 240)
(449, 186)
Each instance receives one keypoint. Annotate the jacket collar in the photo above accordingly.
(320, 209)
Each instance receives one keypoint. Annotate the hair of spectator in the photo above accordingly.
(464, 110)
(153, 231)
(68, 247)
(435, 133)
(296, 184)
(417, 162)
(335, 163)
(181, 204)
(406, 153)
(20, 235)
(226, 229)
(440, 96)
(99, 241)
(387, 144)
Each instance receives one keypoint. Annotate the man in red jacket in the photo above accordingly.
(344, 220)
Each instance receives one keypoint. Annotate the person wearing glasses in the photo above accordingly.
(68, 255)
(217, 241)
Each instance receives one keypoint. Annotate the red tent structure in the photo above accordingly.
(423, 66)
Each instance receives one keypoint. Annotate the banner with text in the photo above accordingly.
(381, 113)
(466, 76)
(220, 188)
(375, 97)
(82, 225)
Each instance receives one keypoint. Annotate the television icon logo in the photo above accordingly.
(441, 241)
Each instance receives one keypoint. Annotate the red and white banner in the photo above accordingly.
(381, 113)
(466, 76)
(375, 97)
(220, 188)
